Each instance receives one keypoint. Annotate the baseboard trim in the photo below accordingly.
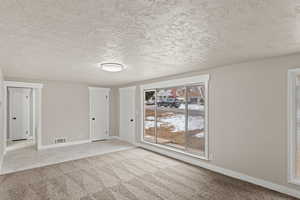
(114, 137)
(125, 140)
(1, 161)
(21, 146)
(43, 147)
(227, 172)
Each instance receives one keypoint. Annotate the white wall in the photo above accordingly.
(114, 109)
(65, 110)
(248, 117)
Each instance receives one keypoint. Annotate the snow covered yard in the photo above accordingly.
(176, 122)
(171, 127)
(192, 107)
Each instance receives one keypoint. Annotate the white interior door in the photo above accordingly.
(99, 113)
(127, 114)
(19, 100)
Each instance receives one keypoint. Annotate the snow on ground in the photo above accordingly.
(177, 122)
(150, 118)
(192, 107)
(200, 135)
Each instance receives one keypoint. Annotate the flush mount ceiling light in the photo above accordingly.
(112, 67)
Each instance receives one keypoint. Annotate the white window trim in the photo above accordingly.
(173, 83)
(291, 121)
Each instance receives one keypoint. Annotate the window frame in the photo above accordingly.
(291, 121)
(143, 118)
(189, 81)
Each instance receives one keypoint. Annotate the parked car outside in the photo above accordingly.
(169, 102)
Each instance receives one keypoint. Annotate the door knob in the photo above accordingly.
(131, 120)
(14, 118)
(93, 118)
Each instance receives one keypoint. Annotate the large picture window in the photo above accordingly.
(176, 117)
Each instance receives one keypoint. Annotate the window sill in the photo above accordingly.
(295, 181)
(162, 147)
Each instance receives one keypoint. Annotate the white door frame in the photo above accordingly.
(36, 92)
(108, 90)
(134, 88)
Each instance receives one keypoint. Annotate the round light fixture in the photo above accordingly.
(112, 67)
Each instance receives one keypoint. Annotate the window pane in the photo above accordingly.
(149, 118)
(298, 126)
(171, 117)
(196, 120)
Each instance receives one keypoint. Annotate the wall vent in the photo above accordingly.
(60, 140)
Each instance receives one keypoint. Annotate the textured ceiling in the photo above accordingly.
(65, 39)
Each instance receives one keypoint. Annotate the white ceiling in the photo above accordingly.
(65, 39)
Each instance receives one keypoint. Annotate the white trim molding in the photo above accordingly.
(178, 151)
(114, 137)
(188, 81)
(227, 172)
(99, 88)
(38, 133)
(177, 82)
(1, 162)
(292, 123)
(37, 109)
(22, 84)
(18, 146)
(50, 146)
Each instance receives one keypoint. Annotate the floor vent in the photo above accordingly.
(60, 140)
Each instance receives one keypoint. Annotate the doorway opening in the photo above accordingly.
(22, 127)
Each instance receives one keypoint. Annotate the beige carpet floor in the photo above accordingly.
(134, 174)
